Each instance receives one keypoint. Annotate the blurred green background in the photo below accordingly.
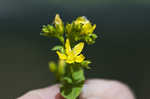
(123, 54)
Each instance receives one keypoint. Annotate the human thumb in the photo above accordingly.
(105, 89)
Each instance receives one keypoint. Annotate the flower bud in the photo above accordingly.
(59, 24)
(52, 66)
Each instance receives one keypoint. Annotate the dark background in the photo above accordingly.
(123, 54)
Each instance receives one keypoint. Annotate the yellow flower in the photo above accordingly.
(87, 27)
(72, 55)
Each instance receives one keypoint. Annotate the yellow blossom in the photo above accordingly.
(72, 55)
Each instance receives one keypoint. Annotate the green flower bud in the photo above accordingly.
(61, 67)
(52, 66)
(85, 64)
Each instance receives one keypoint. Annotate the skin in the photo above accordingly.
(93, 89)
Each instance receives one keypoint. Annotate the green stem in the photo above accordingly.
(61, 38)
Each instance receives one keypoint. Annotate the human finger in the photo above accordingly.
(51, 92)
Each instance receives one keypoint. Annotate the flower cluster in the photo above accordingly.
(81, 29)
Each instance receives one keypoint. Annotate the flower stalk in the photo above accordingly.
(69, 70)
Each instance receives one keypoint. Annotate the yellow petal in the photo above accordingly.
(79, 58)
(78, 48)
(61, 56)
(70, 58)
(93, 28)
(67, 46)
(69, 61)
(87, 28)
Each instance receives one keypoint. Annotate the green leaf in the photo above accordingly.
(61, 38)
(78, 74)
(71, 92)
(85, 64)
(67, 80)
(58, 48)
